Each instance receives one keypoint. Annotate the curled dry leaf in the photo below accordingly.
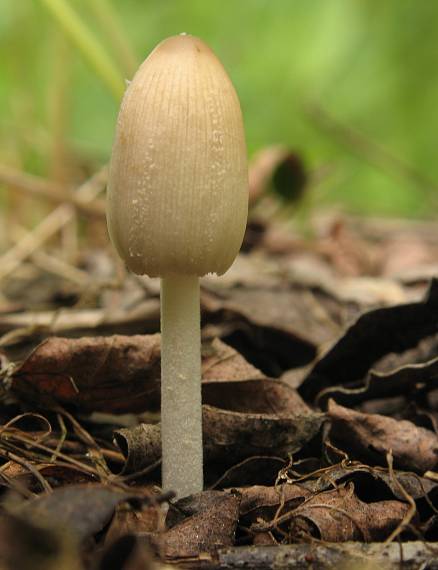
(199, 524)
(372, 483)
(260, 503)
(233, 436)
(405, 381)
(255, 396)
(229, 437)
(375, 334)
(371, 437)
(263, 501)
(117, 374)
(339, 516)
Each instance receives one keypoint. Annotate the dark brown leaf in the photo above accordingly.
(371, 437)
(375, 334)
(206, 522)
(339, 516)
(260, 501)
(229, 437)
(254, 396)
(117, 374)
(220, 362)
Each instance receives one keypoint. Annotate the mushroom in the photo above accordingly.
(177, 209)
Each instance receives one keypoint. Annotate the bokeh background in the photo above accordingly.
(351, 86)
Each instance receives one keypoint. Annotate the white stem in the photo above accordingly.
(181, 412)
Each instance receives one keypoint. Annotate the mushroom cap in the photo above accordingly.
(178, 186)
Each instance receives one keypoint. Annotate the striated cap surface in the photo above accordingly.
(178, 188)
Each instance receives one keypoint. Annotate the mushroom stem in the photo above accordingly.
(181, 411)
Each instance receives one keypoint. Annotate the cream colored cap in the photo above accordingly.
(178, 188)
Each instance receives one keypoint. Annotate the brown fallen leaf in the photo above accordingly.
(372, 483)
(339, 516)
(374, 334)
(229, 437)
(114, 374)
(391, 378)
(371, 437)
(129, 520)
(222, 363)
(201, 523)
(117, 374)
(261, 396)
(261, 502)
(274, 328)
(233, 436)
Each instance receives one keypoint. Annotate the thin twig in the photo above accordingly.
(31, 468)
(39, 187)
(60, 216)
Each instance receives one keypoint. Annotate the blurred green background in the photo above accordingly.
(351, 85)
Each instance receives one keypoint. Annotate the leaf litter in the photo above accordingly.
(320, 404)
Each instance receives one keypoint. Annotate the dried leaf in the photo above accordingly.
(222, 363)
(229, 437)
(291, 315)
(338, 516)
(117, 374)
(374, 334)
(371, 437)
(233, 436)
(254, 396)
(262, 501)
(371, 484)
(405, 381)
(210, 524)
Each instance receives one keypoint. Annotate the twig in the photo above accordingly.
(412, 506)
(53, 264)
(39, 187)
(60, 216)
(31, 468)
